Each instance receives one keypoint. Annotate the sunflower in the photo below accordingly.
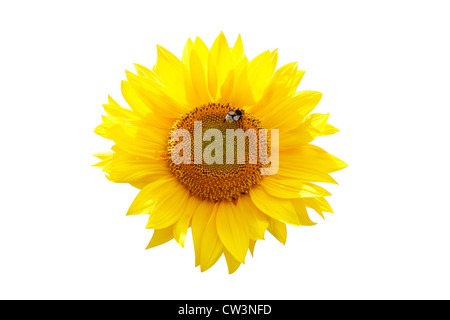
(228, 206)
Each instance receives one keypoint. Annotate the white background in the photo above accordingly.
(383, 67)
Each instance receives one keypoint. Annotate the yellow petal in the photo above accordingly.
(329, 130)
(311, 157)
(181, 226)
(227, 88)
(242, 93)
(255, 220)
(319, 205)
(145, 72)
(130, 142)
(279, 96)
(212, 76)
(222, 57)
(277, 189)
(171, 72)
(305, 189)
(260, 72)
(198, 77)
(237, 52)
(291, 189)
(158, 96)
(105, 157)
(298, 77)
(133, 100)
(169, 206)
(302, 213)
(231, 230)
(199, 221)
(297, 107)
(310, 190)
(115, 110)
(252, 246)
(145, 200)
(202, 50)
(278, 230)
(125, 168)
(279, 209)
(232, 263)
(283, 84)
(306, 132)
(313, 125)
(186, 52)
(211, 246)
(306, 175)
(160, 236)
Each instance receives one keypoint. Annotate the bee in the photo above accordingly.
(233, 115)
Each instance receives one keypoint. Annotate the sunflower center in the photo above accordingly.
(222, 178)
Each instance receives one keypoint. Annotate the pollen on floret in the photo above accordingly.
(217, 181)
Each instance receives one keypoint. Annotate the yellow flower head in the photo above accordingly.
(221, 145)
